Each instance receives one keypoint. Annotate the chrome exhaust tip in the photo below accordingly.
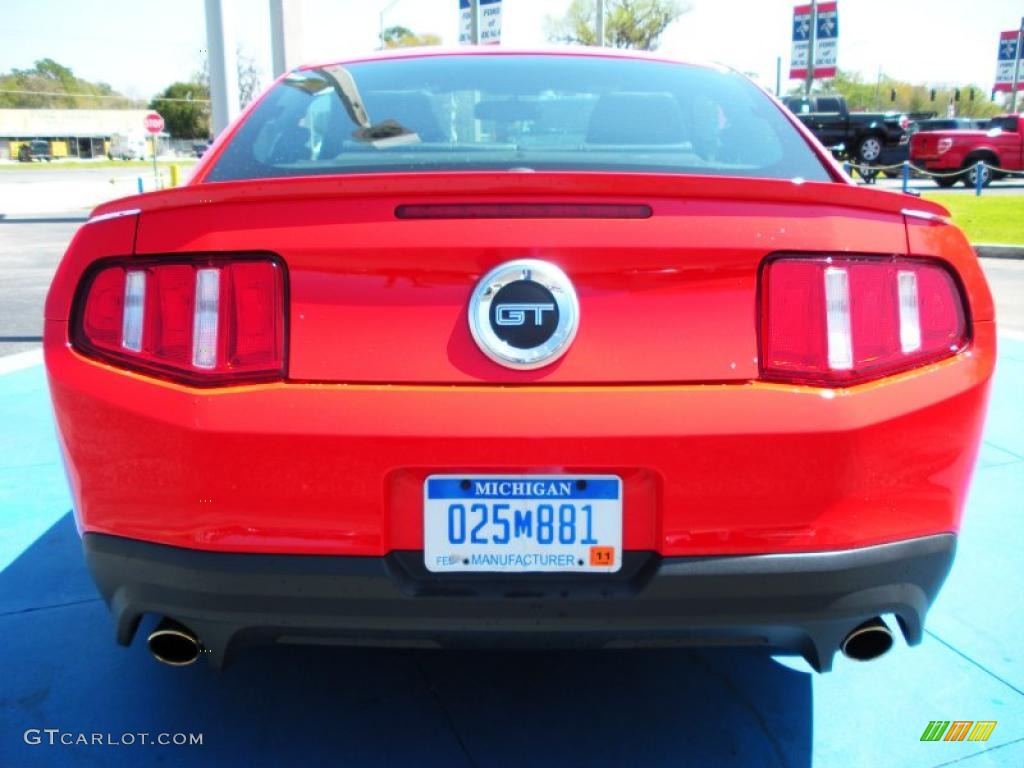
(868, 641)
(173, 643)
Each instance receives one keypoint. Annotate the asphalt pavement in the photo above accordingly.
(29, 253)
(1007, 186)
(49, 191)
(1006, 279)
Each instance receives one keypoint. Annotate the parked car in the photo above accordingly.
(199, 148)
(37, 149)
(863, 136)
(417, 357)
(998, 147)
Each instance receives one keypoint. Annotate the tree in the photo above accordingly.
(250, 77)
(185, 108)
(57, 73)
(250, 81)
(876, 95)
(627, 24)
(50, 84)
(403, 37)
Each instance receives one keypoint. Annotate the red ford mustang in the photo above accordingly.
(517, 348)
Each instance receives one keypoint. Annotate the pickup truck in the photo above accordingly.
(125, 147)
(947, 151)
(863, 135)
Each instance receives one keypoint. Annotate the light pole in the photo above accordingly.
(474, 22)
(810, 48)
(220, 44)
(285, 34)
(1016, 69)
(600, 23)
(383, 11)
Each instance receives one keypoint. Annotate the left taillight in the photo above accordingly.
(843, 320)
(204, 321)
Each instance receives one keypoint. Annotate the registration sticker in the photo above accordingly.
(522, 524)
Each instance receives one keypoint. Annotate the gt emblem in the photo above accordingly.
(524, 314)
(515, 314)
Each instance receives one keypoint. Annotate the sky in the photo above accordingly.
(141, 46)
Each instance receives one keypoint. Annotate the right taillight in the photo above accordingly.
(206, 320)
(842, 320)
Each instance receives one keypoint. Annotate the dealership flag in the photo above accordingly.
(1008, 54)
(825, 43)
(490, 22)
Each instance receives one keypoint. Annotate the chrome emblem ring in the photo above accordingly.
(524, 314)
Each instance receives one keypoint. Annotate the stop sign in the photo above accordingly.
(153, 122)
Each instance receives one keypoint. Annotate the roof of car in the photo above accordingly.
(499, 50)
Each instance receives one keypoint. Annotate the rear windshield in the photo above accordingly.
(554, 112)
(938, 125)
(1003, 123)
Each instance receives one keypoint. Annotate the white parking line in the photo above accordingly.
(1015, 335)
(20, 361)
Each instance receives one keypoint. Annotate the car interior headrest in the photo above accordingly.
(636, 118)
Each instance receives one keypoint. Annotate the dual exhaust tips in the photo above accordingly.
(177, 645)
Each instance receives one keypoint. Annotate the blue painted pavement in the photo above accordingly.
(60, 668)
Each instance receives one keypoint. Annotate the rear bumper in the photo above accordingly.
(797, 603)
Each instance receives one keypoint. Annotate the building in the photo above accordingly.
(70, 132)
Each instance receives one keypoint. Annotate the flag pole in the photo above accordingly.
(474, 22)
(810, 48)
(1016, 69)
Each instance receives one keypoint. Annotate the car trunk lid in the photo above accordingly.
(377, 296)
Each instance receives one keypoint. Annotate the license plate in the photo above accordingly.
(522, 524)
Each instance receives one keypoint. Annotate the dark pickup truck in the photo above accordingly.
(864, 136)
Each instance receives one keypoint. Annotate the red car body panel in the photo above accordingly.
(316, 468)
(332, 460)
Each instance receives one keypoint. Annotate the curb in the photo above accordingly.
(999, 251)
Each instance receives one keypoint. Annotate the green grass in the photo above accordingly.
(63, 165)
(986, 219)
